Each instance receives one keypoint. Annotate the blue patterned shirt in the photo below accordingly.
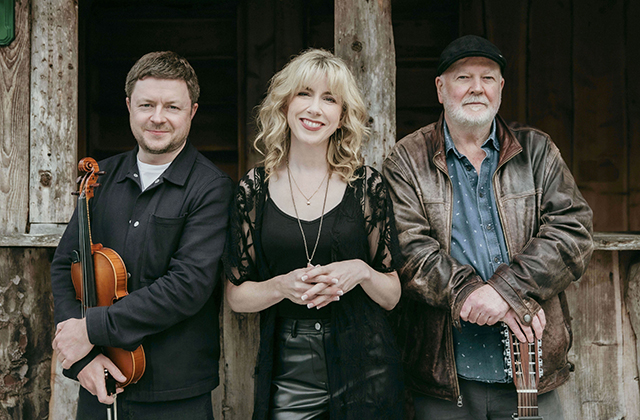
(477, 240)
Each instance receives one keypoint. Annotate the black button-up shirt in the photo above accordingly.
(171, 237)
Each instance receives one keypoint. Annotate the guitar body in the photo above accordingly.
(525, 367)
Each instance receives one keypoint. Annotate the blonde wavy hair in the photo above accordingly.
(274, 135)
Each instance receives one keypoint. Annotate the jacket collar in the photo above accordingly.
(177, 173)
(509, 145)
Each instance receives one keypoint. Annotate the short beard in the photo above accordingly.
(457, 114)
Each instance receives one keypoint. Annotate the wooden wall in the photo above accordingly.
(38, 110)
(570, 72)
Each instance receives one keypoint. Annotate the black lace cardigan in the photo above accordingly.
(361, 339)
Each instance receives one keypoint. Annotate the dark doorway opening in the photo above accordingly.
(115, 33)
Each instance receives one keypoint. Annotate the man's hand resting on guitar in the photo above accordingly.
(485, 306)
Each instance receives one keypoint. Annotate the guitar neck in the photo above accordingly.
(525, 368)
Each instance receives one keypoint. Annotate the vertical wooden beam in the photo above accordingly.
(600, 145)
(54, 110)
(364, 39)
(632, 46)
(549, 94)
(14, 125)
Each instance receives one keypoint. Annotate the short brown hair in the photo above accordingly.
(164, 65)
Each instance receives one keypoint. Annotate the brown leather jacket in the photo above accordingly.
(548, 229)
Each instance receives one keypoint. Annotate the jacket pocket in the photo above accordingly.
(162, 241)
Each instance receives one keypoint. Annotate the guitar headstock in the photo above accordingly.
(524, 361)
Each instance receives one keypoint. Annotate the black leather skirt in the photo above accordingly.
(300, 389)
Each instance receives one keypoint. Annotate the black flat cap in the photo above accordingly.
(469, 46)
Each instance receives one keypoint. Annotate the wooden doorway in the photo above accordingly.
(115, 33)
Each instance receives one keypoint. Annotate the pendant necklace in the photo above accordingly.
(295, 209)
(296, 184)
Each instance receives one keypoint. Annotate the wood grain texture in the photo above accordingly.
(595, 390)
(600, 145)
(14, 125)
(506, 25)
(632, 41)
(549, 94)
(364, 39)
(54, 110)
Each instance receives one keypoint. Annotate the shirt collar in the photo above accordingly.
(449, 145)
(177, 173)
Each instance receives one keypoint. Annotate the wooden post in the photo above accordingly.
(14, 125)
(364, 39)
(54, 113)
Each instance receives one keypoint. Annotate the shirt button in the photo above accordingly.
(128, 275)
(136, 224)
(489, 226)
(318, 326)
(527, 318)
(496, 260)
(481, 195)
(156, 181)
(135, 175)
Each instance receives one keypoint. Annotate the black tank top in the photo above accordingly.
(284, 251)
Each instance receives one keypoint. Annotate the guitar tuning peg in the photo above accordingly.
(100, 173)
(75, 193)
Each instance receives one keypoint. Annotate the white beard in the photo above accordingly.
(461, 116)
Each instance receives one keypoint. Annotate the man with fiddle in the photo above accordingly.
(163, 208)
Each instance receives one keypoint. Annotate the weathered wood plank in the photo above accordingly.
(54, 110)
(241, 340)
(506, 25)
(600, 145)
(595, 390)
(609, 241)
(64, 393)
(14, 125)
(632, 300)
(631, 332)
(364, 39)
(549, 103)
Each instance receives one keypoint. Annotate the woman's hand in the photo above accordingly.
(292, 286)
(335, 279)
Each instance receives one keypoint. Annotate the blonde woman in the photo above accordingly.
(310, 248)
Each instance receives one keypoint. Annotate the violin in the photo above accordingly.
(99, 277)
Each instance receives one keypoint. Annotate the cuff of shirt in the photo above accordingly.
(525, 308)
(458, 301)
(74, 370)
(96, 326)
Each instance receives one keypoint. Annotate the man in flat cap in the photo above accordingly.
(492, 230)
